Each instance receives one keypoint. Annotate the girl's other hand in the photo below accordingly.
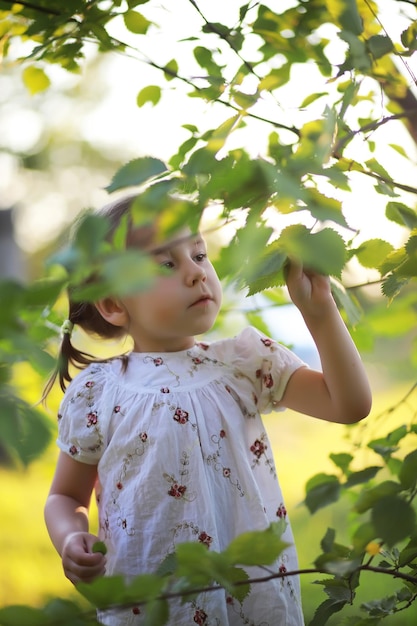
(80, 563)
(309, 290)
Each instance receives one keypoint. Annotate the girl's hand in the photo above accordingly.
(80, 563)
(308, 290)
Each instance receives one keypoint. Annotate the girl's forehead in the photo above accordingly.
(148, 239)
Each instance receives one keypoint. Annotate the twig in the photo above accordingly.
(342, 143)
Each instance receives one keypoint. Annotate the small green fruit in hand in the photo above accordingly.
(99, 546)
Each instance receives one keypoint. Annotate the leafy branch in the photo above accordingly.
(370, 127)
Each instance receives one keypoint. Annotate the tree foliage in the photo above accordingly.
(240, 64)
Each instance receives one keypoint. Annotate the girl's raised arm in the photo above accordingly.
(341, 392)
(66, 516)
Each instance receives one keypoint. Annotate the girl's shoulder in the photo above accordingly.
(247, 342)
(95, 377)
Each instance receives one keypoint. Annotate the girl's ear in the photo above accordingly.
(113, 311)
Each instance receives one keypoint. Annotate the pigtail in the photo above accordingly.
(86, 316)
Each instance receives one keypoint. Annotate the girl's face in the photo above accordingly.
(182, 302)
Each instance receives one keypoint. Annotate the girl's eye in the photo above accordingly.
(167, 265)
(200, 257)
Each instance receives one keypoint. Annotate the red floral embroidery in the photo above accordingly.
(197, 361)
(282, 569)
(143, 437)
(281, 511)
(205, 538)
(267, 342)
(119, 486)
(158, 361)
(116, 409)
(222, 434)
(89, 384)
(200, 617)
(258, 448)
(268, 381)
(226, 472)
(181, 416)
(136, 610)
(203, 346)
(73, 450)
(229, 600)
(92, 419)
(177, 491)
(164, 390)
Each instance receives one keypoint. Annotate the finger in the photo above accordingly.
(76, 572)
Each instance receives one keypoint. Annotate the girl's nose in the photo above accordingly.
(195, 273)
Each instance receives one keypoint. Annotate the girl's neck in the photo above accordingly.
(177, 344)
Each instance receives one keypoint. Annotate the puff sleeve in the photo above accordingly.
(267, 364)
(83, 419)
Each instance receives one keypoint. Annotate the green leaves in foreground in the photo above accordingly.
(191, 567)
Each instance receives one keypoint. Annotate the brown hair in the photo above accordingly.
(85, 315)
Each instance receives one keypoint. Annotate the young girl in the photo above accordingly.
(171, 434)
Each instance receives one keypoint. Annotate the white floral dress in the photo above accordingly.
(182, 455)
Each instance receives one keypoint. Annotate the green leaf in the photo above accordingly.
(144, 587)
(373, 252)
(256, 547)
(171, 69)
(409, 36)
(136, 22)
(347, 301)
(24, 431)
(401, 214)
(151, 93)
(342, 460)
(409, 553)
(324, 612)
(35, 79)
(276, 78)
(99, 546)
(363, 535)
(136, 172)
(65, 612)
(312, 98)
(194, 563)
(237, 575)
(394, 519)
(346, 13)
(390, 441)
(324, 208)
(379, 45)
(375, 166)
(18, 615)
(321, 490)
(104, 591)
(324, 251)
(362, 476)
(327, 542)
(408, 472)
(392, 285)
(357, 57)
(156, 613)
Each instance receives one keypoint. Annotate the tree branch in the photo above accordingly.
(222, 36)
(35, 7)
(342, 143)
